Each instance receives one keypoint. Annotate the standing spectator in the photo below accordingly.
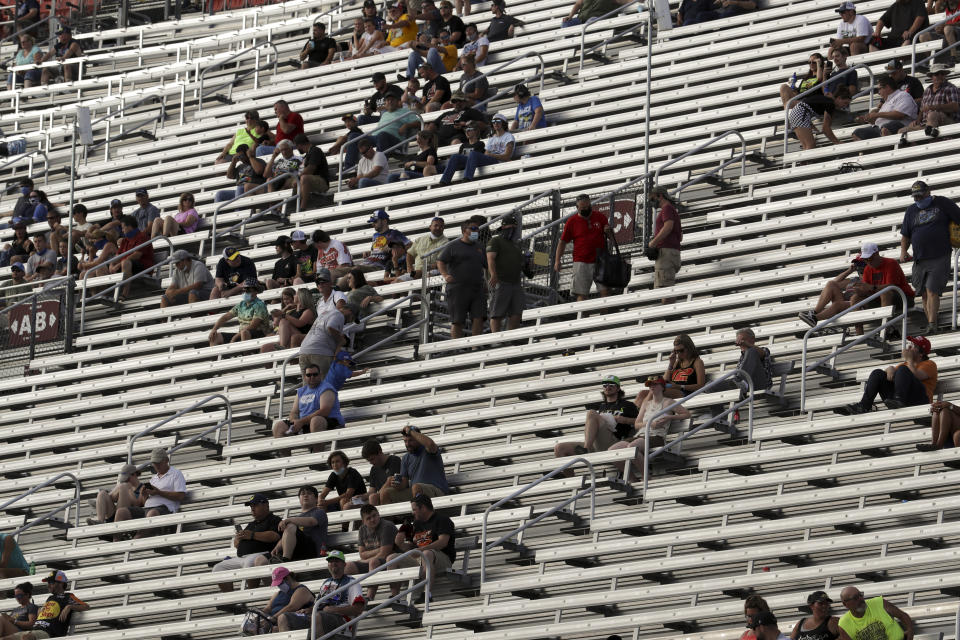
(250, 312)
(305, 257)
(605, 423)
(63, 48)
(324, 338)
(396, 123)
(346, 481)
(285, 268)
(244, 135)
(433, 534)
(315, 173)
(501, 25)
(53, 619)
(376, 541)
(12, 562)
(685, 370)
(878, 273)
(939, 105)
(765, 627)
(257, 539)
(477, 45)
(837, 293)
(817, 104)
(161, 495)
(27, 14)
(319, 49)
(424, 246)
(853, 31)
(499, 148)
(529, 114)
(382, 468)
(372, 167)
(185, 221)
(381, 90)
(233, 270)
(908, 384)
(821, 625)
(289, 124)
(945, 419)
(586, 230)
(28, 53)
(898, 110)
(926, 227)
(904, 18)
(461, 264)
(291, 597)
(140, 260)
(367, 38)
(421, 470)
(190, 280)
(342, 607)
(302, 536)
(654, 403)
(873, 618)
(283, 161)
(125, 494)
(145, 213)
(584, 10)
(667, 236)
(949, 30)
(436, 89)
(505, 266)
(904, 82)
(25, 614)
(350, 152)
(452, 24)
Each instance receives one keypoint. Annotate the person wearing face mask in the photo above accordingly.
(586, 230)
(926, 227)
(461, 264)
(424, 247)
(22, 209)
(291, 596)
(346, 481)
(250, 312)
(667, 236)
(138, 261)
(499, 148)
(505, 266)
(477, 45)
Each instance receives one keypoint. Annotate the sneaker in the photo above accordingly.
(808, 317)
(93, 522)
(925, 447)
(894, 403)
(580, 450)
(851, 409)
(275, 559)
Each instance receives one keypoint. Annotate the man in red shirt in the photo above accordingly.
(586, 229)
(139, 260)
(667, 235)
(289, 124)
(879, 273)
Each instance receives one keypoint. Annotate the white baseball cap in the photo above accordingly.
(867, 249)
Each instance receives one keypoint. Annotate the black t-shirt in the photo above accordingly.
(316, 157)
(246, 547)
(442, 87)
(912, 86)
(446, 130)
(426, 153)
(465, 262)
(499, 28)
(349, 480)
(285, 267)
(899, 17)
(453, 25)
(477, 146)
(820, 103)
(425, 533)
(389, 90)
(236, 275)
(431, 25)
(379, 475)
(619, 407)
(27, 6)
(74, 264)
(48, 619)
(321, 49)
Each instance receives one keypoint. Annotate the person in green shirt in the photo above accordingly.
(872, 619)
(424, 246)
(244, 135)
(251, 313)
(504, 264)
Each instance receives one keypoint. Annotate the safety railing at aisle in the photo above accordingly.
(956, 269)
(593, 21)
(255, 49)
(713, 384)
(369, 135)
(83, 291)
(47, 516)
(819, 87)
(902, 318)
(591, 489)
(33, 318)
(126, 129)
(357, 326)
(26, 156)
(226, 422)
(252, 218)
(916, 39)
(426, 584)
(491, 72)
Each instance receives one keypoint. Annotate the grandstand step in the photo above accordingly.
(851, 527)
(606, 610)
(661, 577)
(739, 594)
(801, 560)
(714, 545)
(905, 495)
(498, 462)
(745, 470)
(873, 576)
(877, 452)
(636, 531)
(116, 623)
(822, 483)
(930, 543)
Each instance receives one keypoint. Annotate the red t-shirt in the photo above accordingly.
(888, 273)
(294, 119)
(672, 239)
(586, 235)
(146, 253)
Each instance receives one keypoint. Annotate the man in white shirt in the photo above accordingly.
(162, 495)
(372, 168)
(897, 110)
(853, 31)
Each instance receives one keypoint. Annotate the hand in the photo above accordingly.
(283, 525)
(556, 265)
(212, 335)
(937, 407)
(65, 613)
(905, 256)
(493, 281)
(352, 182)
(448, 278)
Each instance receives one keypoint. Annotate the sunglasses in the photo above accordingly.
(474, 228)
(311, 375)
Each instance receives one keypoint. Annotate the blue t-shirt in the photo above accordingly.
(40, 213)
(28, 6)
(308, 399)
(335, 379)
(525, 113)
(17, 561)
(424, 467)
(929, 229)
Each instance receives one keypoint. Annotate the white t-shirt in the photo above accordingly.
(283, 165)
(473, 47)
(172, 480)
(900, 101)
(331, 302)
(859, 27)
(366, 165)
(335, 255)
(498, 144)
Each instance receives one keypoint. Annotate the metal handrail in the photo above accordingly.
(390, 338)
(160, 117)
(83, 298)
(426, 583)
(46, 483)
(742, 157)
(280, 205)
(228, 421)
(939, 52)
(255, 70)
(591, 489)
(487, 74)
(804, 367)
(586, 25)
(953, 317)
(356, 327)
(819, 87)
(739, 373)
(216, 211)
(916, 36)
(358, 139)
(46, 162)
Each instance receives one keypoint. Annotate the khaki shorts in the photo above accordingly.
(405, 495)
(665, 268)
(315, 184)
(605, 435)
(441, 561)
(582, 278)
(39, 635)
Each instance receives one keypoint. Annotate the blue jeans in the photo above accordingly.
(264, 150)
(572, 22)
(33, 75)
(433, 57)
(385, 140)
(468, 163)
(367, 182)
(406, 174)
(228, 194)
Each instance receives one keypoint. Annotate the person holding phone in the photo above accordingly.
(421, 470)
(252, 542)
(162, 494)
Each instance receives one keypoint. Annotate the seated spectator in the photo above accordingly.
(12, 562)
(685, 370)
(43, 255)
(424, 52)
(421, 470)
(380, 253)
(904, 82)
(605, 423)
(477, 45)
(690, 12)
(262, 135)
(19, 248)
(145, 213)
(376, 537)
(63, 252)
(756, 361)
(247, 170)
(283, 160)
(654, 403)
(499, 148)
(409, 98)
(819, 625)
(850, 81)
(185, 221)
(753, 605)
(877, 614)
(318, 405)
(319, 49)
(289, 124)
(817, 104)
(425, 162)
(878, 273)
(396, 124)
(245, 135)
(161, 495)
(338, 609)
(305, 256)
(63, 48)
(837, 293)
(371, 11)
(448, 50)
(124, 495)
(813, 77)
(433, 534)
(103, 246)
(453, 25)
(233, 270)
(730, 8)
(939, 105)
(449, 127)
(361, 295)
(376, 102)
(346, 481)
(367, 39)
(426, 244)
(898, 110)
(908, 384)
(190, 280)
(529, 114)
(474, 88)
(251, 313)
(254, 541)
(302, 536)
(350, 152)
(24, 615)
(426, 11)
(584, 10)
(331, 253)
(28, 53)
(288, 303)
(325, 337)
(80, 224)
(13, 287)
(904, 18)
(853, 31)
(285, 268)
(501, 25)
(291, 596)
(372, 167)
(765, 627)
(53, 618)
(116, 212)
(401, 30)
(945, 426)
(314, 172)
(22, 209)
(948, 31)
(383, 467)
(140, 260)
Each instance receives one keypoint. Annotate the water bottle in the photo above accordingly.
(33, 568)
(793, 81)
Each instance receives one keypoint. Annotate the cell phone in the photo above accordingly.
(238, 528)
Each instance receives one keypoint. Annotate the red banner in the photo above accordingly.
(624, 219)
(46, 323)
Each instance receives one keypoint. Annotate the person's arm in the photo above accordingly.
(306, 319)
(376, 552)
(663, 233)
(492, 267)
(905, 620)
(876, 34)
(423, 440)
(300, 521)
(285, 126)
(481, 54)
(222, 320)
(268, 171)
(442, 268)
(575, 9)
(80, 605)
(908, 34)
(298, 600)
(440, 543)
(259, 536)
(505, 156)
(701, 376)
(561, 247)
(904, 246)
(537, 117)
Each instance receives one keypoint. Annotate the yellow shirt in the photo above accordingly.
(448, 54)
(242, 136)
(875, 623)
(397, 37)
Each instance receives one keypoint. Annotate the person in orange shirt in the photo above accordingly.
(909, 384)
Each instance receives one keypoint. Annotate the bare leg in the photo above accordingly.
(495, 324)
(456, 330)
(476, 326)
(288, 540)
(105, 506)
(590, 428)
